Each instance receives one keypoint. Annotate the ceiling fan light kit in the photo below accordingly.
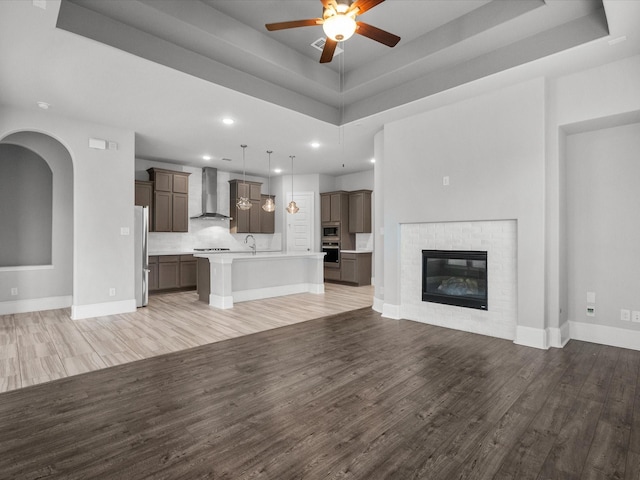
(339, 27)
(339, 24)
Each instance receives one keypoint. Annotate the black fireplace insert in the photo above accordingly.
(455, 277)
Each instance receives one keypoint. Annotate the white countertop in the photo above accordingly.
(230, 256)
(193, 252)
(356, 251)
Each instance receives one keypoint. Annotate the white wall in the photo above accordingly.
(355, 181)
(603, 201)
(492, 149)
(103, 194)
(52, 286)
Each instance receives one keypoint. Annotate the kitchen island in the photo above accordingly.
(227, 278)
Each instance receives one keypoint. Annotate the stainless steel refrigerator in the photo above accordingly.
(141, 258)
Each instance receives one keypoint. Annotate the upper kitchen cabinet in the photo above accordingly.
(360, 211)
(170, 200)
(245, 221)
(144, 195)
(334, 206)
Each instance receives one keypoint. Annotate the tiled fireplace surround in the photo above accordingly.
(498, 239)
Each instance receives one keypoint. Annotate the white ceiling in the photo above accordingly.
(170, 70)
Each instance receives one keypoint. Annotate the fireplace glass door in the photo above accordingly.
(455, 277)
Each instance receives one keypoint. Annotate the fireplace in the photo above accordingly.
(455, 277)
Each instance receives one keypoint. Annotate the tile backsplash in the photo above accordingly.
(207, 234)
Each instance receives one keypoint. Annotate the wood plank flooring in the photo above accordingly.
(39, 347)
(348, 396)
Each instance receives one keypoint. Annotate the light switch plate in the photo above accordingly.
(625, 315)
(591, 297)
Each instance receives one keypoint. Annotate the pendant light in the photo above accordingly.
(292, 207)
(269, 204)
(243, 202)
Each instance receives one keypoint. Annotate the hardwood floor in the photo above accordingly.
(39, 347)
(348, 396)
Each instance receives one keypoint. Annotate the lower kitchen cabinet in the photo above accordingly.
(188, 271)
(355, 268)
(331, 273)
(170, 272)
(153, 273)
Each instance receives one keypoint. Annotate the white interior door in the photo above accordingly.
(300, 225)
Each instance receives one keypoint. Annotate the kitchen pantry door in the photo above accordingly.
(300, 225)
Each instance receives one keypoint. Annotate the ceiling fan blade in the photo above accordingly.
(328, 50)
(377, 34)
(294, 24)
(364, 5)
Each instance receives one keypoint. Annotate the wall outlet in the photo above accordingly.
(625, 315)
(124, 230)
(635, 316)
(591, 311)
(112, 292)
(14, 291)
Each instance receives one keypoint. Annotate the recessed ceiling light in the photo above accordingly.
(373, 160)
(278, 170)
(315, 144)
(228, 121)
(206, 157)
(43, 105)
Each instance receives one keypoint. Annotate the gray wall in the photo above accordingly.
(26, 198)
(57, 280)
(603, 230)
(492, 149)
(102, 190)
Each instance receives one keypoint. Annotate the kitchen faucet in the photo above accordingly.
(253, 247)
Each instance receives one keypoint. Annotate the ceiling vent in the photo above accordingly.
(319, 45)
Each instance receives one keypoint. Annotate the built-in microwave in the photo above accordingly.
(330, 230)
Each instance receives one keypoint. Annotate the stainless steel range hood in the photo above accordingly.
(209, 195)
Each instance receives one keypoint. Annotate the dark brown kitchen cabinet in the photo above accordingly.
(244, 221)
(355, 268)
(170, 200)
(267, 219)
(153, 273)
(334, 206)
(188, 271)
(168, 272)
(360, 211)
(144, 195)
(180, 212)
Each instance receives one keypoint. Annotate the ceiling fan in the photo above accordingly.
(339, 23)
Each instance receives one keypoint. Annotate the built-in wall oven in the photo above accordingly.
(332, 257)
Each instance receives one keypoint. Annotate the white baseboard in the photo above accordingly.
(220, 301)
(613, 336)
(79, 312)
(558, 337)
(378, 304)
(35, 304)
(391, 311)
(531, 337)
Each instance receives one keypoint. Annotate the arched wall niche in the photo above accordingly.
(39, 275)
